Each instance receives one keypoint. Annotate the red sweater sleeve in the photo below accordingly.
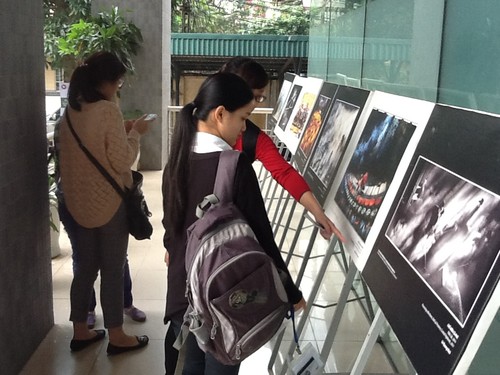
(268, 154)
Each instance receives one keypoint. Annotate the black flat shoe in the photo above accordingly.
(142, 342)
(77, 345)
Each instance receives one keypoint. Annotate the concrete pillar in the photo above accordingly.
(148, 90)
(26, 311)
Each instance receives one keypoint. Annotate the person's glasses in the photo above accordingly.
(121, 81)
(259, 98)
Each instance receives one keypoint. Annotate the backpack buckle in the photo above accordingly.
(205, 204)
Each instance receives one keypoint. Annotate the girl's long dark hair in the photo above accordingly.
(85, 81)
(224, 89)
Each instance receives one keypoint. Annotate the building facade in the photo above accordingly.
(436, 50)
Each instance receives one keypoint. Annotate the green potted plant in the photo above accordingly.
(69, 39)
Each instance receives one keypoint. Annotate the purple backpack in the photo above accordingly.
(237, 301)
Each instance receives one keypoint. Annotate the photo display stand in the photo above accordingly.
(344, 116)
(379, 150)
(417, 195)
(305, 314)
(368, 344)
(439, 245)
(297, 111)
(305, 258)
(334, 247)
(297, 101)
(272, 186)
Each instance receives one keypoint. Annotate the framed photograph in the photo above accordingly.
(372, 168)
(313, 127)
(437, 255)
(297, 111)
(282, 98)
(336, 131)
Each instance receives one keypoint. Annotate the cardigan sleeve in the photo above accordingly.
(248, 199)
(121, 148)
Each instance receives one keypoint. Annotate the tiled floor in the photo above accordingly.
(148, 272)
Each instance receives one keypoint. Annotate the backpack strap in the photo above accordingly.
(226, 171)
(249, 140)
(224, 181)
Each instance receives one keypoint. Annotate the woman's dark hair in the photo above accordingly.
(98, 68)
(220, 89)
(250, 70)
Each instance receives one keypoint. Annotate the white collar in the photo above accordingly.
(205, 143)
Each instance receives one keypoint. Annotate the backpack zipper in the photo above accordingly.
(210, 279)
(257, 328)
(202, 254)
(207, 237)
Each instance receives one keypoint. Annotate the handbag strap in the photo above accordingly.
(91, 157)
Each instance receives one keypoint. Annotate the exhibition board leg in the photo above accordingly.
(261, 175)
(371, 313)
(370, 340)
(272, 197)
(277, 209)
(282, 213)
(305, 315)
(280, 335)
(276, 349)
(306, 256)
(291, 250)
(287, 224)
(265, 178)
(268, 199)
(339, 310)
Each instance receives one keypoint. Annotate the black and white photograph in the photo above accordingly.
(282, 97)
(290, 104)
(448, 229)
(333, 142)
(436, 257)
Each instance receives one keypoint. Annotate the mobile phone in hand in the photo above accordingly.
(151, 117)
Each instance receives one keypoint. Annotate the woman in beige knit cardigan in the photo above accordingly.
(92, 211)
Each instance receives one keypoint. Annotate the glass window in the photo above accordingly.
(336, 40)
(318, 39)
(402, 46)
(346, 42)
(388, 45)
(414, 49)
(470, 73)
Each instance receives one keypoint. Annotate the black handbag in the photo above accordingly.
(138, 213)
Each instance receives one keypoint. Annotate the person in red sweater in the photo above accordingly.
(257, 145)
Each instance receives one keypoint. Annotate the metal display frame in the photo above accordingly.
(334, 247)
